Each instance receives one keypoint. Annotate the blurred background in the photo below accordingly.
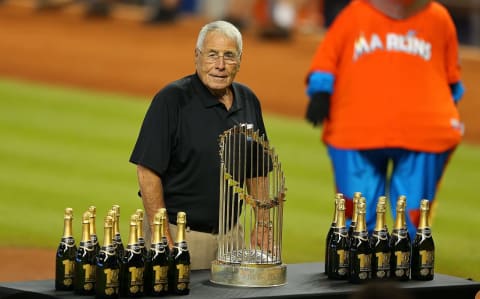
(76, 77)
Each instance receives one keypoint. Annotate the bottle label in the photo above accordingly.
(383, 260)
(183, 272)
(89, 275)
(136, 279)
(183, 276)
(69, 269)
(364, 261)
(343, 263)
(161, 278)
(426, 258)
(402, 265)
(111, 282)
(89, 272)
(382, 267)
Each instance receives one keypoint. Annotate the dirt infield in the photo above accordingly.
(121, 54)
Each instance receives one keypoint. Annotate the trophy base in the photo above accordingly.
(248, 275)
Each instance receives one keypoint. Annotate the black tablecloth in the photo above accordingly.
(303, 281)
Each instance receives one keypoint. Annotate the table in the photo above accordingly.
(305, 280)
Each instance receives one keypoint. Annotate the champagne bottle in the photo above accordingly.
(351, 229)
(360, 254)
(400, 244)
(93, 228)
(133, 264)
(117, 238)
(380, 243)
(179, 269)
(107, 265)
(338, 196)
(338, 264)
(423, 248)
(65, 258)
(141, 239)
(157, 277)
(84, 282)
(356, 202)
(163, 235)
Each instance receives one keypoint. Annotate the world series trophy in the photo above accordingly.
(252, 194)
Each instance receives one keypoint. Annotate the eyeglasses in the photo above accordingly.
(213, 57)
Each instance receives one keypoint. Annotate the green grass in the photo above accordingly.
(64, 147)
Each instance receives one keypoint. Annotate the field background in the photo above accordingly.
(73, 93)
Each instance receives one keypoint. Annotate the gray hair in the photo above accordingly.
(226, 28)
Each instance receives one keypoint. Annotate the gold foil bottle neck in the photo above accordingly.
(108, 231)
(108, 222)
(93, 214)
(338, 196)
(400, 213)
(361, 211)
(86, 217)
(116, 208)
(401, 203)
(381, 209)
(356, 198)
(341, 205)
(139, 212)
(382, 204)
(181, 218)
(156, 236)
(424, 209)
(163, 212)
(134, 219)
(361, 207)
(68, 214)
(67, 223)
(116, 220)
(157, 219)
(86, 227)
(341, 213)
(133, 238)
(424, 205)
(93, 211)
(181, 226)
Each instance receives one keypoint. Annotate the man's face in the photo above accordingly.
(218, 62)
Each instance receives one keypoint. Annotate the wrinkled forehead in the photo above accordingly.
(219, 41)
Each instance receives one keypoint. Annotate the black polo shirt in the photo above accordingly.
(179, 140)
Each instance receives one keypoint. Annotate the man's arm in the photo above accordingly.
(151, 188)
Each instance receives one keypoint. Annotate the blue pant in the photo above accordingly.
(413, 174)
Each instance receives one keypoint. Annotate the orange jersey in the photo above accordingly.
(392, 79)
